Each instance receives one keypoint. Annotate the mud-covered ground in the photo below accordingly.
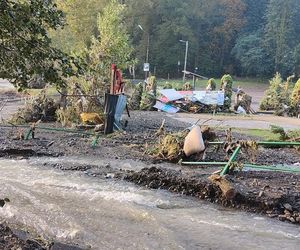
(13, 239)
(272, 193)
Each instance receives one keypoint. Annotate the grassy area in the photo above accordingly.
(201, 84)
(263, 134)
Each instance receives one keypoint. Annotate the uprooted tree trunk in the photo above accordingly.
(226, 187)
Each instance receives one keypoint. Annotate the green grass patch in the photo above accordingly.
(263, 134)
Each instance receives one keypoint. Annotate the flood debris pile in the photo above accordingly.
(210, 100)
(243, 102)
(169, 147)
(38, 108)
(226, 87)
(9, 240)
(82, 106)
(174, 147)
(282, 97)
(184, 98)
(148, 98)
(232, 178)
(136, 97)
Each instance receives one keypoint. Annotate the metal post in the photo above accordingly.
(185, 60)
(232, 159)
(147, 55)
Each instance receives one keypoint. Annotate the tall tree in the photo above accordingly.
(112, 45)
(231, 13)
(81, 24)
(25, 48)
(281, 38)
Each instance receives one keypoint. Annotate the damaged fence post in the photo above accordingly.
(232, 159)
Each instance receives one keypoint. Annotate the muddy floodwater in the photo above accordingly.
(108, 214)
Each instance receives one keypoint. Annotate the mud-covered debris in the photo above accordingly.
(149, 96)
(3, 202)
(41, 107)
(208, 134)
(136, 97)
(92, 118)
(169, 147)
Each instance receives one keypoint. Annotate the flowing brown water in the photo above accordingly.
(105, 214)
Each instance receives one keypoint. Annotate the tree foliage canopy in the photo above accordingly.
(25, 48)
(240, 37)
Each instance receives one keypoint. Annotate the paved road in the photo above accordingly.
(238, 121)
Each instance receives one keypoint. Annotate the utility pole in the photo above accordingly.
(186, 55)
(147, 56)
(147, 51)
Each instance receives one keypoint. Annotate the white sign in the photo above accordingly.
(146, 67)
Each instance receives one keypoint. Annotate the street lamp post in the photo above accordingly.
(147, 49)
(186, 55)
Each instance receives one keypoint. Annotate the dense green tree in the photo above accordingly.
(254, 15)
(281, 38)
(112, 45)
(81, 24)
(25, 48)
(242, 37)
(253, 59)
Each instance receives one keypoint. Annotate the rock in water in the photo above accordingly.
(3, 202)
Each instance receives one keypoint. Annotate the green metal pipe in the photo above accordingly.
(205, 163)
(50, 129)
(266, 143)
(279, 143)
(28, 134)
(225, 170)
(95, 141)
(66, 130)
(273, 168)
(288, 169)
(216, 143)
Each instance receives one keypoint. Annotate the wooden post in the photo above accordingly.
(113, 79)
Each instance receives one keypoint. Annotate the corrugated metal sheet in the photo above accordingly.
(121, 105)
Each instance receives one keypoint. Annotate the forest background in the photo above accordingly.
(247, 38)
